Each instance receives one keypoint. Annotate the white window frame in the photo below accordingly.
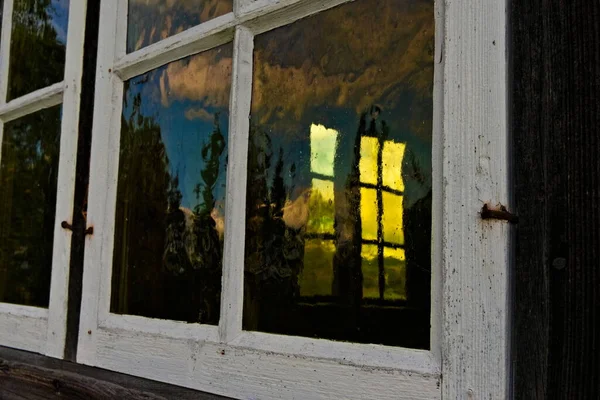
(469, 312)
(43, 330)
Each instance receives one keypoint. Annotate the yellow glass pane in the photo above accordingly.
(395, 274)
(392, 156)
(368, 213)
(322, 149)
(316, 277)
(393, 229)
(368, 160)
(320, 207)
(370, 271)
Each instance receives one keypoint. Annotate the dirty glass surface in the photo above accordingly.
(171, 190)
(149, 21)
(28, 178)
(338, 228)
(37, 45)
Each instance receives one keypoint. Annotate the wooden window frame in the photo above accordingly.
(470, 260)
(43, 330)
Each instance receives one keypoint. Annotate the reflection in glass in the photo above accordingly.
(171, 190)
(28, 178)
(37, 45)
(338, 229)
(151, 21)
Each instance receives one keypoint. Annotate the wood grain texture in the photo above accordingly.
(29, 376)
(555, 119)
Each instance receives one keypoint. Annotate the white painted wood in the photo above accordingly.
(469, 333)
(108, 89)
(212, 33)
(358, 354)
(261, 18)
(475, 252)
(437, 205)
(57, 316)
(23, 327)
(249, 374)
(5, 49)
(161, 327)
(42, 98)
(232, 288)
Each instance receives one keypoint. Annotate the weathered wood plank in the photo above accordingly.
(29, 376)
(556, 114)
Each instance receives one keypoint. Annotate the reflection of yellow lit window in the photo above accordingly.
(381, 213)
(322, 149)
(369, 146)
(320, 207)
(368, 213)
(393, 231)
(322, 157)
(392, 156)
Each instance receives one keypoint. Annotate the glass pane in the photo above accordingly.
(338, 229)
(320, 208)
(391, 220)
(37, 45)
(149, 21)
(171, 191)
(28, 178)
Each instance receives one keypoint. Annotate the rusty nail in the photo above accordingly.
(66, 225)
(501, 214)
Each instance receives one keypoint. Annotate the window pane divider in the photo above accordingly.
(5, 50)
(216, 32)
(232, 289)
(42, 98)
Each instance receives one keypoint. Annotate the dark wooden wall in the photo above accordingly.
(555, 56)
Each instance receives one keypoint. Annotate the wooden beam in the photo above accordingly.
(555, 120)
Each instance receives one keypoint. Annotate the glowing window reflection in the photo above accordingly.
(368, 213)
(322, 149)
(369, 146)
(392, 156)
(392, 218)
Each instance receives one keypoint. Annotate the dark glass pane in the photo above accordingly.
(154, 20)
(171, 191)
(37, 45)
(338, 230)
(28, 177)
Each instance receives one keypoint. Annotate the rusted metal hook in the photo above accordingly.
(66, 225)
(501, 214)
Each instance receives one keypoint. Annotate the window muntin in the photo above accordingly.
(171, 192)
(333, 116)
(151, 21)
(38, 45)
(28, 178)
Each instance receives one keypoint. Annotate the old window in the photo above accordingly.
(284, 193)
(40, 70)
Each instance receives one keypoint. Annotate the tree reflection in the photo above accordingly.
(167, 258)
(37, 49)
